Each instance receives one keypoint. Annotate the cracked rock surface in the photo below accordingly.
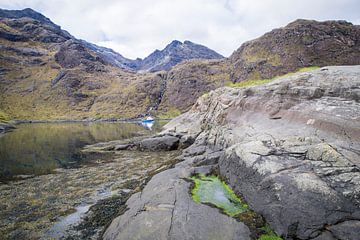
(292, 149)
(165, 210)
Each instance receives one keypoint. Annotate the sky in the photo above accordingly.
(135, 28)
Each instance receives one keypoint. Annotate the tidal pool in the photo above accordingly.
(39, 148)
(211, 190)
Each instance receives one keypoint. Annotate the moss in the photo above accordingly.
(211, 190)
(255, 82)
(268, 234)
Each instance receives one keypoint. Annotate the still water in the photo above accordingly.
(36, 149)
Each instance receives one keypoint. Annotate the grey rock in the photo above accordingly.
(291, 149)
(163, 143)
(165, 210)
(122, 147)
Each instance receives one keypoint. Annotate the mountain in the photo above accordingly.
(46, 73)
(175, 53)
(300, 44)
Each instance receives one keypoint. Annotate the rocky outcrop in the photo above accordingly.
(300, 44)
(165, 210)
(291, 149)
(195, 78)
(174, 53)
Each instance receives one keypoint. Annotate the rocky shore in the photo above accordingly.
(290, 148)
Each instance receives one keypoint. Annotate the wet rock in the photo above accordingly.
(163, 143)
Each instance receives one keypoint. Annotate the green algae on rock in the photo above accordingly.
(211, 190)
(269, 234)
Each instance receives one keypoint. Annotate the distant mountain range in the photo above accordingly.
(159, 60)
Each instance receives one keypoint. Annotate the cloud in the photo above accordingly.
(135, 28)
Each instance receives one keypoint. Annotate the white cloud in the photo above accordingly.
(135, 28)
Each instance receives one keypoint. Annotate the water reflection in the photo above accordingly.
(40, 148)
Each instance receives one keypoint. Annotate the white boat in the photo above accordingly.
(148, 119)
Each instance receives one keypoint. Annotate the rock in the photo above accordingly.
(186, 141)
(6, 127)
(165, 210)
(163, 143)
(291, 149)
(174, 53)
(122, 147)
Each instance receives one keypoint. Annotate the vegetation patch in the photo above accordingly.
(170, 113)
(256, 82)
(268, 234)
(211, 190)
(4, 117)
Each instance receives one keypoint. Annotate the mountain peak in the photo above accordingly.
(27, 12)
(174, 53)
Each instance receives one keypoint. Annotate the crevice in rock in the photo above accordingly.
(172, 213)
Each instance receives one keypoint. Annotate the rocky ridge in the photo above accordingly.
(290, 148)
(174, 53)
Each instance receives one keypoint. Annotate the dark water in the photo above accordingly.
(35, 149)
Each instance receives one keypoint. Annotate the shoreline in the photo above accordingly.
(108, 120)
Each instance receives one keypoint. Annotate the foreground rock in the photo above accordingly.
(165, 210)
(163, 142)
(291, 149)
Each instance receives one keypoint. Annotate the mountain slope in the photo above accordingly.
(300, 44)
(45, 73)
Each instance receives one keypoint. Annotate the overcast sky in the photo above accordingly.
(135, 28)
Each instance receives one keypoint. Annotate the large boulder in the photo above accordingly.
(162, 143)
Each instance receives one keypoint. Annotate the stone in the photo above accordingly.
(163, 143)
(122, 147)
(165, 210)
